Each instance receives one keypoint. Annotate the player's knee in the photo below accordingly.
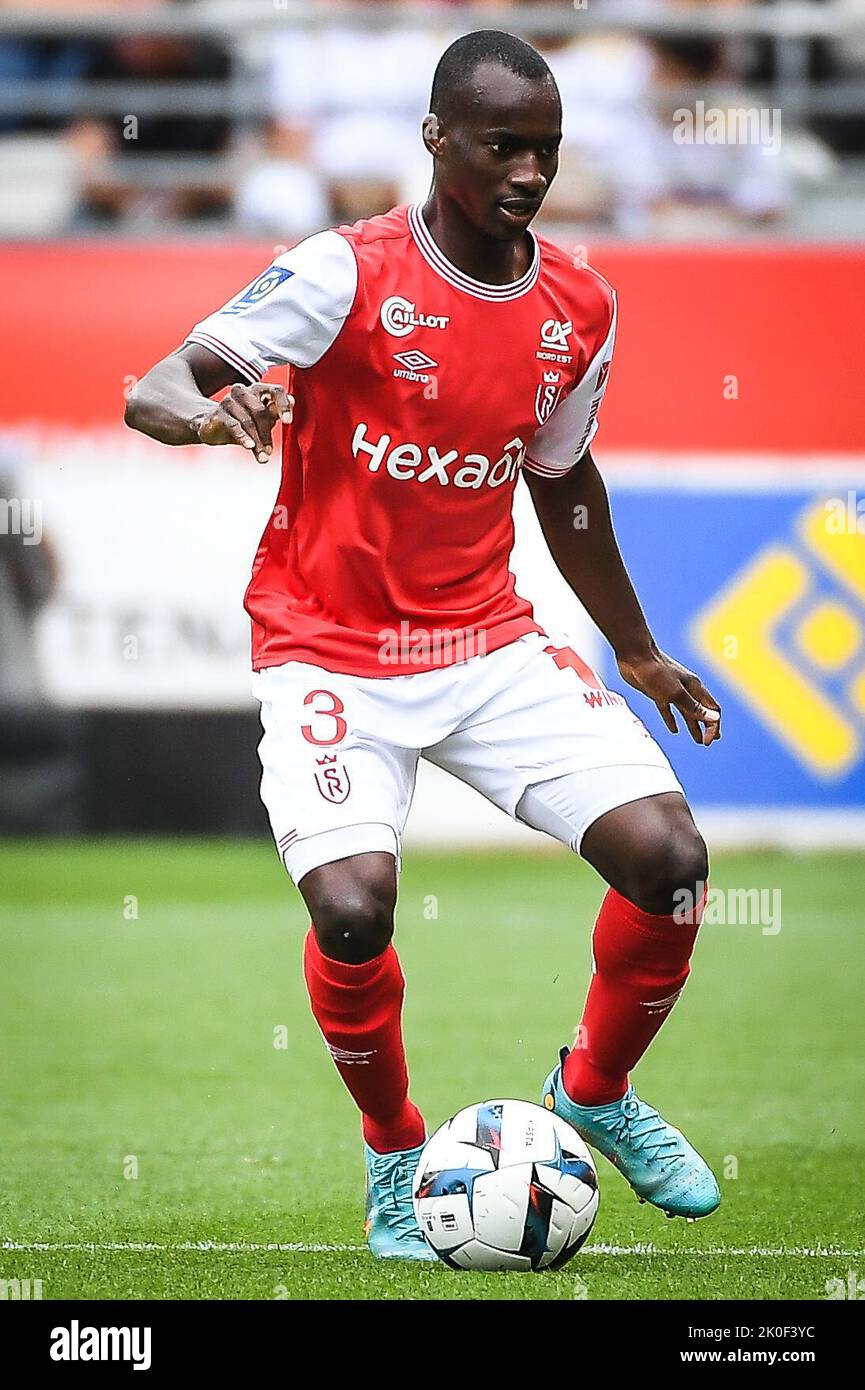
(353, 920)
(674, 863)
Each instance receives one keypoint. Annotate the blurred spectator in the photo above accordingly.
(346, 101)
(27, 577)
(44, 60)
(603, 82)
(51, 166)
(698, 182)
(826, 59)
(620, 161)
(39, 168)
(347, 104)
(39, 769)
(156, 60)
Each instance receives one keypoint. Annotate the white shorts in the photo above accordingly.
(339, 753)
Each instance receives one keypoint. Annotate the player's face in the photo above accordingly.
(500, 151)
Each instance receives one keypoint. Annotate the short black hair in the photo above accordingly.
(457, 64)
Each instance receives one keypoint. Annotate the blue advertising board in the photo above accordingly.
(762, 593)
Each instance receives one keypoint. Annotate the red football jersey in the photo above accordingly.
(420, 394)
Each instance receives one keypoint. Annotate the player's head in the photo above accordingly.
(494, 130)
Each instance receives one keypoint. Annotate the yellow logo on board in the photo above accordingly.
(737, 634)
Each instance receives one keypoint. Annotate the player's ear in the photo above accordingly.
(431, 133)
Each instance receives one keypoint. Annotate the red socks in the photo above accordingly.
(641, 965)
(359, 1011)
(640, 968)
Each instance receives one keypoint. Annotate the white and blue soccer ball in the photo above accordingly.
(505, 1185)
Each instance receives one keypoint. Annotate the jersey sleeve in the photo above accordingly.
(291, 313)
(562, 440)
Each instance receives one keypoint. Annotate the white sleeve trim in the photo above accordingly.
(562, 440)
(250, 371)
(290, 313)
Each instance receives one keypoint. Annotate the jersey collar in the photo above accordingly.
(432, 253)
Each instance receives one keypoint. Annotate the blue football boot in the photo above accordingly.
(658, 1162)
(390, 1227)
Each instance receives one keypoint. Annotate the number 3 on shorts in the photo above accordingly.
(333, 712)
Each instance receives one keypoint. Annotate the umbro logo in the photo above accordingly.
(415, 361)
(414, 365)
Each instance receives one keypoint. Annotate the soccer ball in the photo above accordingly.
(505, 1185)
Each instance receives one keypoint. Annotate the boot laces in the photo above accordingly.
(392, 1183)
(642, 1130)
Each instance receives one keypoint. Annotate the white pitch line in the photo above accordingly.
(219, 1247)
(228, 1247)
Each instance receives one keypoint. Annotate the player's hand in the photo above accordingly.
(672, 686)
(246, 416)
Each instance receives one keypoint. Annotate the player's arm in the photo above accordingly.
(172, 403)
(563, 479)
(574, 513)
(291, 314)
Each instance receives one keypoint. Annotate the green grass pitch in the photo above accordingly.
(145, 1045)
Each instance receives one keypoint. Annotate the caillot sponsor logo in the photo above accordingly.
(411, 462)
(399, 317)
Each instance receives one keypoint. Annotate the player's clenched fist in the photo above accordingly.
(246, 416)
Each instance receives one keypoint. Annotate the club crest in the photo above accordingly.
(547, 396)
(332, 780)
